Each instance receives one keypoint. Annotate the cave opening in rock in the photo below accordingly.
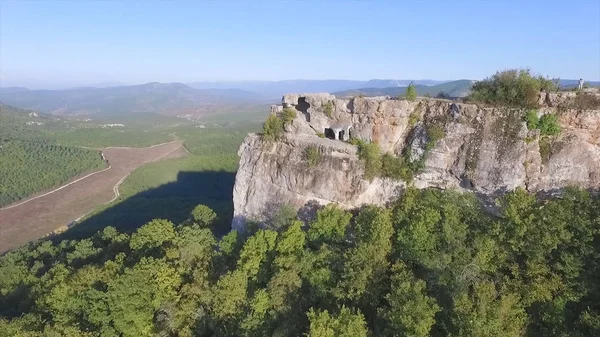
(303, 105)
(341, 136)
(329, 133)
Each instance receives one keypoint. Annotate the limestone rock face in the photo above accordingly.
(484, 150)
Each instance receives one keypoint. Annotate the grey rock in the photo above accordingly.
(486, 150)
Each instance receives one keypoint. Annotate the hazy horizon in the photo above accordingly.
(91, 43)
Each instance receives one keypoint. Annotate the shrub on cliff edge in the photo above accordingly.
(517, 88)
(411, 92)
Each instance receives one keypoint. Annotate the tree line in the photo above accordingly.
(433, 263)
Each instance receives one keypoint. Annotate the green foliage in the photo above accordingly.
(518, 88)
(532, 119)
(273, 128)
(345, 324)
(312, 155)
(411, 92)
(152, 235)
(549, 125)
(320, 135)
(370, 154)
(330, 225)
(414, 118)
(288, 115)
(283, 217)
(433, 263)
(395, 168)
(328, 109)
(384, 165)
(203, 216)
(410, 310)
(545, 149)
(435, 132)
(27, 167)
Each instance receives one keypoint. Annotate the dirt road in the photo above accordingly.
(39, 215)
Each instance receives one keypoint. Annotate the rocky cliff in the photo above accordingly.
(487, 150)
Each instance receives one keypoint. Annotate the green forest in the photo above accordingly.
(31, 166)
(433, 263)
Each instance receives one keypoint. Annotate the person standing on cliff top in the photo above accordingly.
(581, 84)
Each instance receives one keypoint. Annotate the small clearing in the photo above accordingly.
(40, 215)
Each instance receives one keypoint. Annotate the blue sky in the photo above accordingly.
(47, 43)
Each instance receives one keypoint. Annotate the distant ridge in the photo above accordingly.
(154, 97)
(458, 88)
(275, 89)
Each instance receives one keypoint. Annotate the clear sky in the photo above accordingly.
(47, 43)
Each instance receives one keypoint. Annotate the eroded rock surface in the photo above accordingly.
(485, 150)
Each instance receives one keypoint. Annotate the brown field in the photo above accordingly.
(39, 215)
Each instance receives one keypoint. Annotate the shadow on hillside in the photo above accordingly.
(173, 201)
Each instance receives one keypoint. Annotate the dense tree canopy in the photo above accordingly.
(433, 263)
(27, 167)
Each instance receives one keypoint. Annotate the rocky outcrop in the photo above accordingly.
(487, 150)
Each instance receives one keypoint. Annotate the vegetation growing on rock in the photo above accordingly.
(312, 155)
(328, 109)
(547, 124)
(432, 264)
(274, 126)
(513, 88)
(411, 92)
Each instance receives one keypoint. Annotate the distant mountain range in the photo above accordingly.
(275, 89)
(164, 98)
(203, 98)
(458, 88)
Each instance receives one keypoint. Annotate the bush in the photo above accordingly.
(395, 168)
(545, 150)
(532, 119)
(443, 95)
(435, 132)
(328, 109)
(204, 216)
(320, 135)
(548, 125)
(312, 155)
(518, 88)
(369, 153)
(411, 92)
(586, 101)
(273, 128)
(288, 115)
(413, 118)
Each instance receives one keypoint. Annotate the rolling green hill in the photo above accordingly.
(458, 88)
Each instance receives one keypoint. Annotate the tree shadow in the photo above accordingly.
(173, 201)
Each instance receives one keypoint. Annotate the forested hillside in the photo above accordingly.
(31, 161)
(433, 263)
(31, 166)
